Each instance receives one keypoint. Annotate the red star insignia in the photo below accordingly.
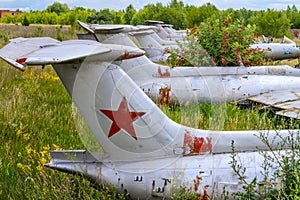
(122, 119)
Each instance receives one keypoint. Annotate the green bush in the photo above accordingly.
(219, 41)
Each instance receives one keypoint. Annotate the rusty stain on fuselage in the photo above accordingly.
(194, 145)
(164, 95)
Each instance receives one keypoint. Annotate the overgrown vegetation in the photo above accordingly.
(219, 41)
(280, 171)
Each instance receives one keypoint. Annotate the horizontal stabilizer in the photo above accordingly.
(167, 25)
(153, 22)
(13, 63)
(19, 47)
(69, 50)
(74, 161)
(50, 51)
(146, 27)
(60, 156)
(95, 28)
(141, 33)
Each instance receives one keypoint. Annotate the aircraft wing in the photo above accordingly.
(284, 102)
(106, 28)
(40, 51)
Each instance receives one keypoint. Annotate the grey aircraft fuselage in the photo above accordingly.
(279, 51)
(183, 85)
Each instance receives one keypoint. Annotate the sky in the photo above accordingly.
(27, 5)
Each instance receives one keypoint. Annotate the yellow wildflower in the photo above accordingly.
(56, 147)
(28, 167)
(43, 160)
(29, 150)
(47, 148)
(26, 136)
(39, 168)
(19, 132)
(44, 153)
(20, 165)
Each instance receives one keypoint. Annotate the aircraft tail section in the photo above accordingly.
(104, 33)
(124, 121)
(145, 40)
(139, 68)
(127, 124)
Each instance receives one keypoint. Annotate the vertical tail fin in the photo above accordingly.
(140, 68)
(126, 123)
(155, 51)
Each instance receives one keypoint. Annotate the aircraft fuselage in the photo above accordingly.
(210, 84)
(279, 51)
(207, 175)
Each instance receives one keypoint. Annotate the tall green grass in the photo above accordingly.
(36, 116)
(228, 117)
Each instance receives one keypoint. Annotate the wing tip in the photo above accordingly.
(14, 63)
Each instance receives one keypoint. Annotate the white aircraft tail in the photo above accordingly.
(287, 40)
(146, 41)
(140, 68)
(155, 51)
(126, 123)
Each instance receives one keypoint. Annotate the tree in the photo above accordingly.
(130, 11)
(196, 15)
(244, 14)
(58, 8)
(104, 16)
(148, 12)
(294, 16)
(176, 4)
(25, 21)
(171, 16)
(272, 23)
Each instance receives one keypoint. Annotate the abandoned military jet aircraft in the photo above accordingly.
(166, 31)
(279, 51)
(146, 155)
(154, 46)
(275, 51)
(275, 87)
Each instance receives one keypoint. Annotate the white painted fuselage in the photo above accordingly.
(279, 51)
(208, 175)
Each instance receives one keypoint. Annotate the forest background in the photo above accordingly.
(270, 22)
